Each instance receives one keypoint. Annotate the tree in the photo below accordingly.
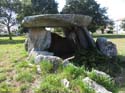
(90, 8)
(35, 7)
(26, 9)
(8, 9)
(44, 6)
(123, 24)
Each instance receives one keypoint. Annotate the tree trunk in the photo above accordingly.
(102, 30)
(10, 35)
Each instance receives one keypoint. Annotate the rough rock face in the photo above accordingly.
(106, 47)
(97, 88)
(39, 39)
(62, 20)
(39, 56)
(100, 73)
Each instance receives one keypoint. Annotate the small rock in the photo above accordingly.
(92, 84)
(38, 69)
(53, 59)
(65, 82)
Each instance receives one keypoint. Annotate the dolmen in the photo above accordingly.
(43, 44)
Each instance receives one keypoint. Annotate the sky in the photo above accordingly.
(115, 8)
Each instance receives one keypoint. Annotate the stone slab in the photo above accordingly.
(56, 20)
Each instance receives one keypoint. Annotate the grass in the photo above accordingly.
(17, 75)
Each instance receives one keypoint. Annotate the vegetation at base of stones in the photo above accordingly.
(90, 8)
(91, 58)
(104, 80)
(73, 72)
(51, 83)
(46, 67)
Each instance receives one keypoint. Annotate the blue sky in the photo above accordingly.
(116, 8)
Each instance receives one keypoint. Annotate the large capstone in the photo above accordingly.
(56, 20)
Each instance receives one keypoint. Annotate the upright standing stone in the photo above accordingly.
(38, 39)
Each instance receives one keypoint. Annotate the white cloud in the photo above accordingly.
(116, 8)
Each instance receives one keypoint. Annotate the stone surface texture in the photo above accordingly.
(62, 20)
(38, 39)
(92, 84)
(100, 73)
(106, 47)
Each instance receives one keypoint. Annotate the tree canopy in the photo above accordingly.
(44, 6)
(35, 7)
(8, 8)
(90, 8)
(123, 24)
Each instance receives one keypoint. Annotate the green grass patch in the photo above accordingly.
(12, 62)
(2, 77)
(25, 77)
